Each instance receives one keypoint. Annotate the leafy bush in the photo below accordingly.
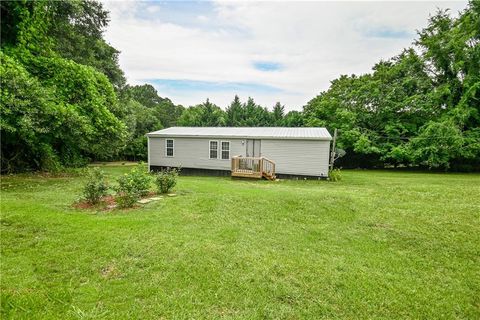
(127, 192)
(141, 179)
(335, 175)
(132, 186)
(166, 180)
(96, 186)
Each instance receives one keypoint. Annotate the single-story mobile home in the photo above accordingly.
(245, 152)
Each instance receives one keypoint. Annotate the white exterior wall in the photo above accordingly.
(192, 153)
(298, 157)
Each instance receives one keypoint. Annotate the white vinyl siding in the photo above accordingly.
(192, 153)
(301, 157)
(298, 157)
(213, 149)
(169, 148)
(225, 150)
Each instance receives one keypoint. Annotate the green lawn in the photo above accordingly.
(375, 245)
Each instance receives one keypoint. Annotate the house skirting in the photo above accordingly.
(196, 171)
(227, 173)
(298, 176)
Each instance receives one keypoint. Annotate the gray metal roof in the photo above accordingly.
(310, 133)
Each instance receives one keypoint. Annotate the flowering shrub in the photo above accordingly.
(127, 193)
(166, 180)
(96, 186)
(132, 186)
(141, 179)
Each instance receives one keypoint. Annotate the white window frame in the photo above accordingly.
(221, 150)
(173, 148)
(209, 149)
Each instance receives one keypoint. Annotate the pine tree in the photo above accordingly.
(234, 113)
(278, 114)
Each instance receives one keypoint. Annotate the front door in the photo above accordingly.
(253, 148)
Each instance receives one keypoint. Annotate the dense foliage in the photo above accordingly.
(421, 107)
(65, 101)
(239, 114)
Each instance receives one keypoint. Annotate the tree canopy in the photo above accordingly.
(65, 101)
(420, 108)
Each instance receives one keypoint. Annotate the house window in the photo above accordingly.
(225, 150)
(213, 149)
(169, 147)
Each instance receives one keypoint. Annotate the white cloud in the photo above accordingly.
(314, 42)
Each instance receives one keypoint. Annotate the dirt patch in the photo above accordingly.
(109, 200)
(106, 203)
(83, 205)
(110, 271)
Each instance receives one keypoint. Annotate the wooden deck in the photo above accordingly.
(253, 167)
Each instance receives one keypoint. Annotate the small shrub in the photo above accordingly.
(166, 180)
(141, 179)
(96, 186)
(132, 186)
(335, 175)
(127, 193)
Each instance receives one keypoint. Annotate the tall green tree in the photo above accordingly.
(40, 86)
(293, 119)
(165, 110)
(77, 32)
(451, 51)
(234, 113)
(63, 118)
(206, 114)
(71, 29)
(278, 114)
(402, 112)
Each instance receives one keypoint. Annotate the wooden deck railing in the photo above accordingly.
(253, 167)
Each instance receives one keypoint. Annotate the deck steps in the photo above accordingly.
(269, 176)
(253, 167)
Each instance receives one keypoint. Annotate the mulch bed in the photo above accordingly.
(106, 203)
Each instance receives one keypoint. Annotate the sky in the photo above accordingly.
(271, 51)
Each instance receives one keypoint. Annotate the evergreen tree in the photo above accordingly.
(234, 113)
(278, 114)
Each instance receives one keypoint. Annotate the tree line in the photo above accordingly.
(420, 108)
(238, 114)
(65, 100)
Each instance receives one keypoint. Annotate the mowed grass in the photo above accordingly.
(375, 245)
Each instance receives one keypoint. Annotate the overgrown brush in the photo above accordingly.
(335, 175)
